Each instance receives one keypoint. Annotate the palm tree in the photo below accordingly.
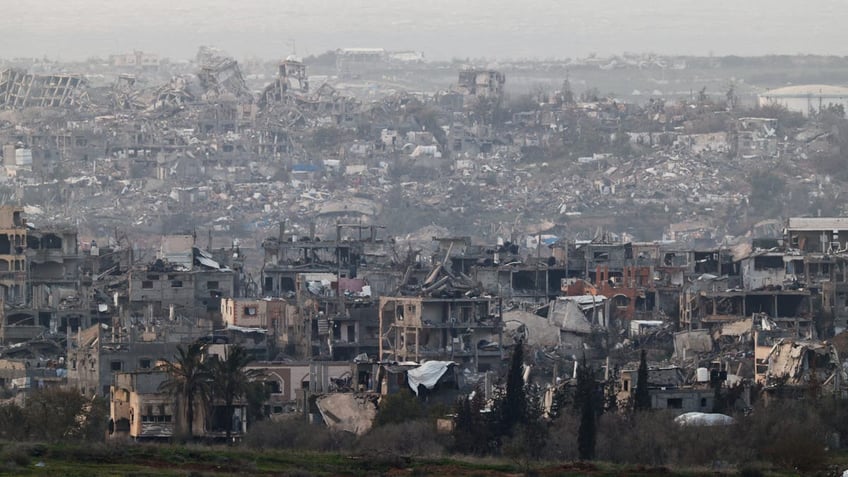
(188, 378)
(231, 381)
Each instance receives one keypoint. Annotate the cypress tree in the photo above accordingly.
(535, 428)
(643, 397)
(463, 427)
(585, 394)
(515, 401)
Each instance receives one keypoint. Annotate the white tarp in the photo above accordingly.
(703, 419)
(208, 262)
(428, 374)
(245, 329)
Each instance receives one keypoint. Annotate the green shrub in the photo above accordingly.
(751, 472)
(295, 433)
(411, 438)
(399, 407)
(17, 454)
(790, 434)
(562, 438)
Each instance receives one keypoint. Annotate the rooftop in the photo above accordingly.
(801, 224)
(807, 90)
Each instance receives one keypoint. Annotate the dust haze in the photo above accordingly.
(444, 29)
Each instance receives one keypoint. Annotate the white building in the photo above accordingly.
(805, 98)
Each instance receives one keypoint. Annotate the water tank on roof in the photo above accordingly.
(703, 375)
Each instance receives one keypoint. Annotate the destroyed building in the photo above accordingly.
(291, 80)
(139, 409)
(820, 263)
(711, 303)
(184, 280)
(329, 281)
(612, 270)
(756, 137)
(669, 388)
(97, 354)
(292, 384)
(19, 89)
(788, 366)
(48, 282)
(467, 330)
(220, 76)
(122, 160)
(502, 271)
(481, 83)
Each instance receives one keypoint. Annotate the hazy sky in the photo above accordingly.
(443, 29)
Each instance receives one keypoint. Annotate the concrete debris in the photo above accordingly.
(798, 362)
(688, 342)
(577, 314)
(531, 328)
(348, 412)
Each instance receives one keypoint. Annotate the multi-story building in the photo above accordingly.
(467, 330)
(96, 354)
(46, 280)
(140, 409)
(184, 280)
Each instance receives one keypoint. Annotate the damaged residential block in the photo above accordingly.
(19, 89)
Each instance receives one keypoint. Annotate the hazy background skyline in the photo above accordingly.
(442, 29)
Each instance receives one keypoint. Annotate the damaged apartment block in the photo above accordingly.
(220, 76)
(328, 281)
(47, 281)
(480, 83)
(183, 280)
(446, 318)
(19, 89)
(466, 330)
(291, 79)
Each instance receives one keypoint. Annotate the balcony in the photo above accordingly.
(19, 276)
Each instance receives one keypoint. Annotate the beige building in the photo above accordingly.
(13, 242)
(465, 330)
(139, 410)
(267, 313)
(277, 316)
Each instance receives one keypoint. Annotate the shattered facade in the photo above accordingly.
(462, 329)
(19, 89)
(480, 83)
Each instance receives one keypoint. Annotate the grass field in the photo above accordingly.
(178, 460)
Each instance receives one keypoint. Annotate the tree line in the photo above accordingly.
(580, 424)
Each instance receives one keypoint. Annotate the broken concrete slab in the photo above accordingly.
(348, 412)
